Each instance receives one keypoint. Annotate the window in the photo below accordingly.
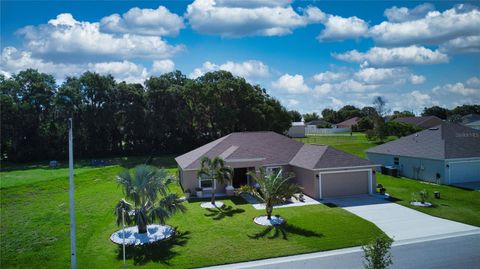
(206, 183)
(273, 170)
(396, 161)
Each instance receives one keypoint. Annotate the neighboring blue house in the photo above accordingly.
(446, 154)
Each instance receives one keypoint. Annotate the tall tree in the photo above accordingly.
(310, 117)
(295, 115)
(440, 112)
(330, 115)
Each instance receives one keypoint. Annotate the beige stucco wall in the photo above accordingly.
(343, 184)
(306, 178)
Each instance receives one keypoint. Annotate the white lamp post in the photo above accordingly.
(73, 248)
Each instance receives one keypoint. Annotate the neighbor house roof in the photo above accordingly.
(421, 122)
(270, 148)
(470, 118)
(348, 123)
(445, 141)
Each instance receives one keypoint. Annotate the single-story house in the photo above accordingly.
(297, 129)
(474, 124)
(448, 154)
(424, 122)
(348, 123)
(322, 170)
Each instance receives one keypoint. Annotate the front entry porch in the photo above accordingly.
(240, 177)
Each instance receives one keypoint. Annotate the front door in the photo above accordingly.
(239, 177)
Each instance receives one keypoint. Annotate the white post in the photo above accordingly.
(123, 231)
(73, 248)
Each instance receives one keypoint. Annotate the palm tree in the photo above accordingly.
(273, 189)
(216, 170)
(147, 188)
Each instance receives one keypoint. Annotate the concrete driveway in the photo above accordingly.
(398, 222)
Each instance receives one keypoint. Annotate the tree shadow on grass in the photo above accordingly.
(222, 212)
(272, 232)
(158, 252)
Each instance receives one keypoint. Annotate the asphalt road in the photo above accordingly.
(456, 252)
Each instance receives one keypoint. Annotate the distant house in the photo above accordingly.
(322, 171)
(472, 121)
(421, 122)
(297, 130)
(317, 122)
(448, 153)
(348, 123)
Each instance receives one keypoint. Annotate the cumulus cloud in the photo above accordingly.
(291, 103)
(329, 76)
(458, 88)
(145, 21)
(434, 28)
(14, 61)
(462, 45)
(339, 28)
(248, 69)
(72, 40)
(398, 56)
(293, 84)
(162, 66)
(248, 18)
(417, 79)
(402, 14)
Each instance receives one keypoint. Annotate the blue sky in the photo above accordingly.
(310, 55)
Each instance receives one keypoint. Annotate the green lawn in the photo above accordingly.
(34, 226)
(455, 203)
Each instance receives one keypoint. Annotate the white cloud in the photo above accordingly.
(462, 44)
(146, 21)
(458, 88)
(378, 56)
(417, 79)
(292, 84)
(162, 66)
(250, 18)
(291, 103)
(402, 14)
(72, 40)
(434, 28)
(422, 98)
(379, 75)
(247, 69)
(323, 89)
(336, 103)
(473, 82)
(121, 71)
(14, 61)
(339, 28)
(329, 76)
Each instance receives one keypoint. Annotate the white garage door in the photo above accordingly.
(461, 172)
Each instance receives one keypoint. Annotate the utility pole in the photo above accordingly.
(73, 248)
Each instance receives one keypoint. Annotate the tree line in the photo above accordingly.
(167, 114)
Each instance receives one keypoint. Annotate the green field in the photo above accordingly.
(35, 225)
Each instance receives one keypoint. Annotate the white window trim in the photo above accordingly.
(269, 169)
(200, 179)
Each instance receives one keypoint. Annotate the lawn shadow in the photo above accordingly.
(331, 205)
(158, 252)
(222, 212)
(237, 200)
(272, 232)
(393, 199)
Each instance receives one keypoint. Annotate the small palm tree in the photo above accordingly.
(217, 170)
(273, 189)
(147, 188)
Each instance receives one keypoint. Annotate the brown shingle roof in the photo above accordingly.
(273, 149)
(446, 141)
(348, 123)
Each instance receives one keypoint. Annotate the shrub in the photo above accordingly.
(377, 253)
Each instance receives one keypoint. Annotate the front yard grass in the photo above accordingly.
(455, 204)
(34, 227)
